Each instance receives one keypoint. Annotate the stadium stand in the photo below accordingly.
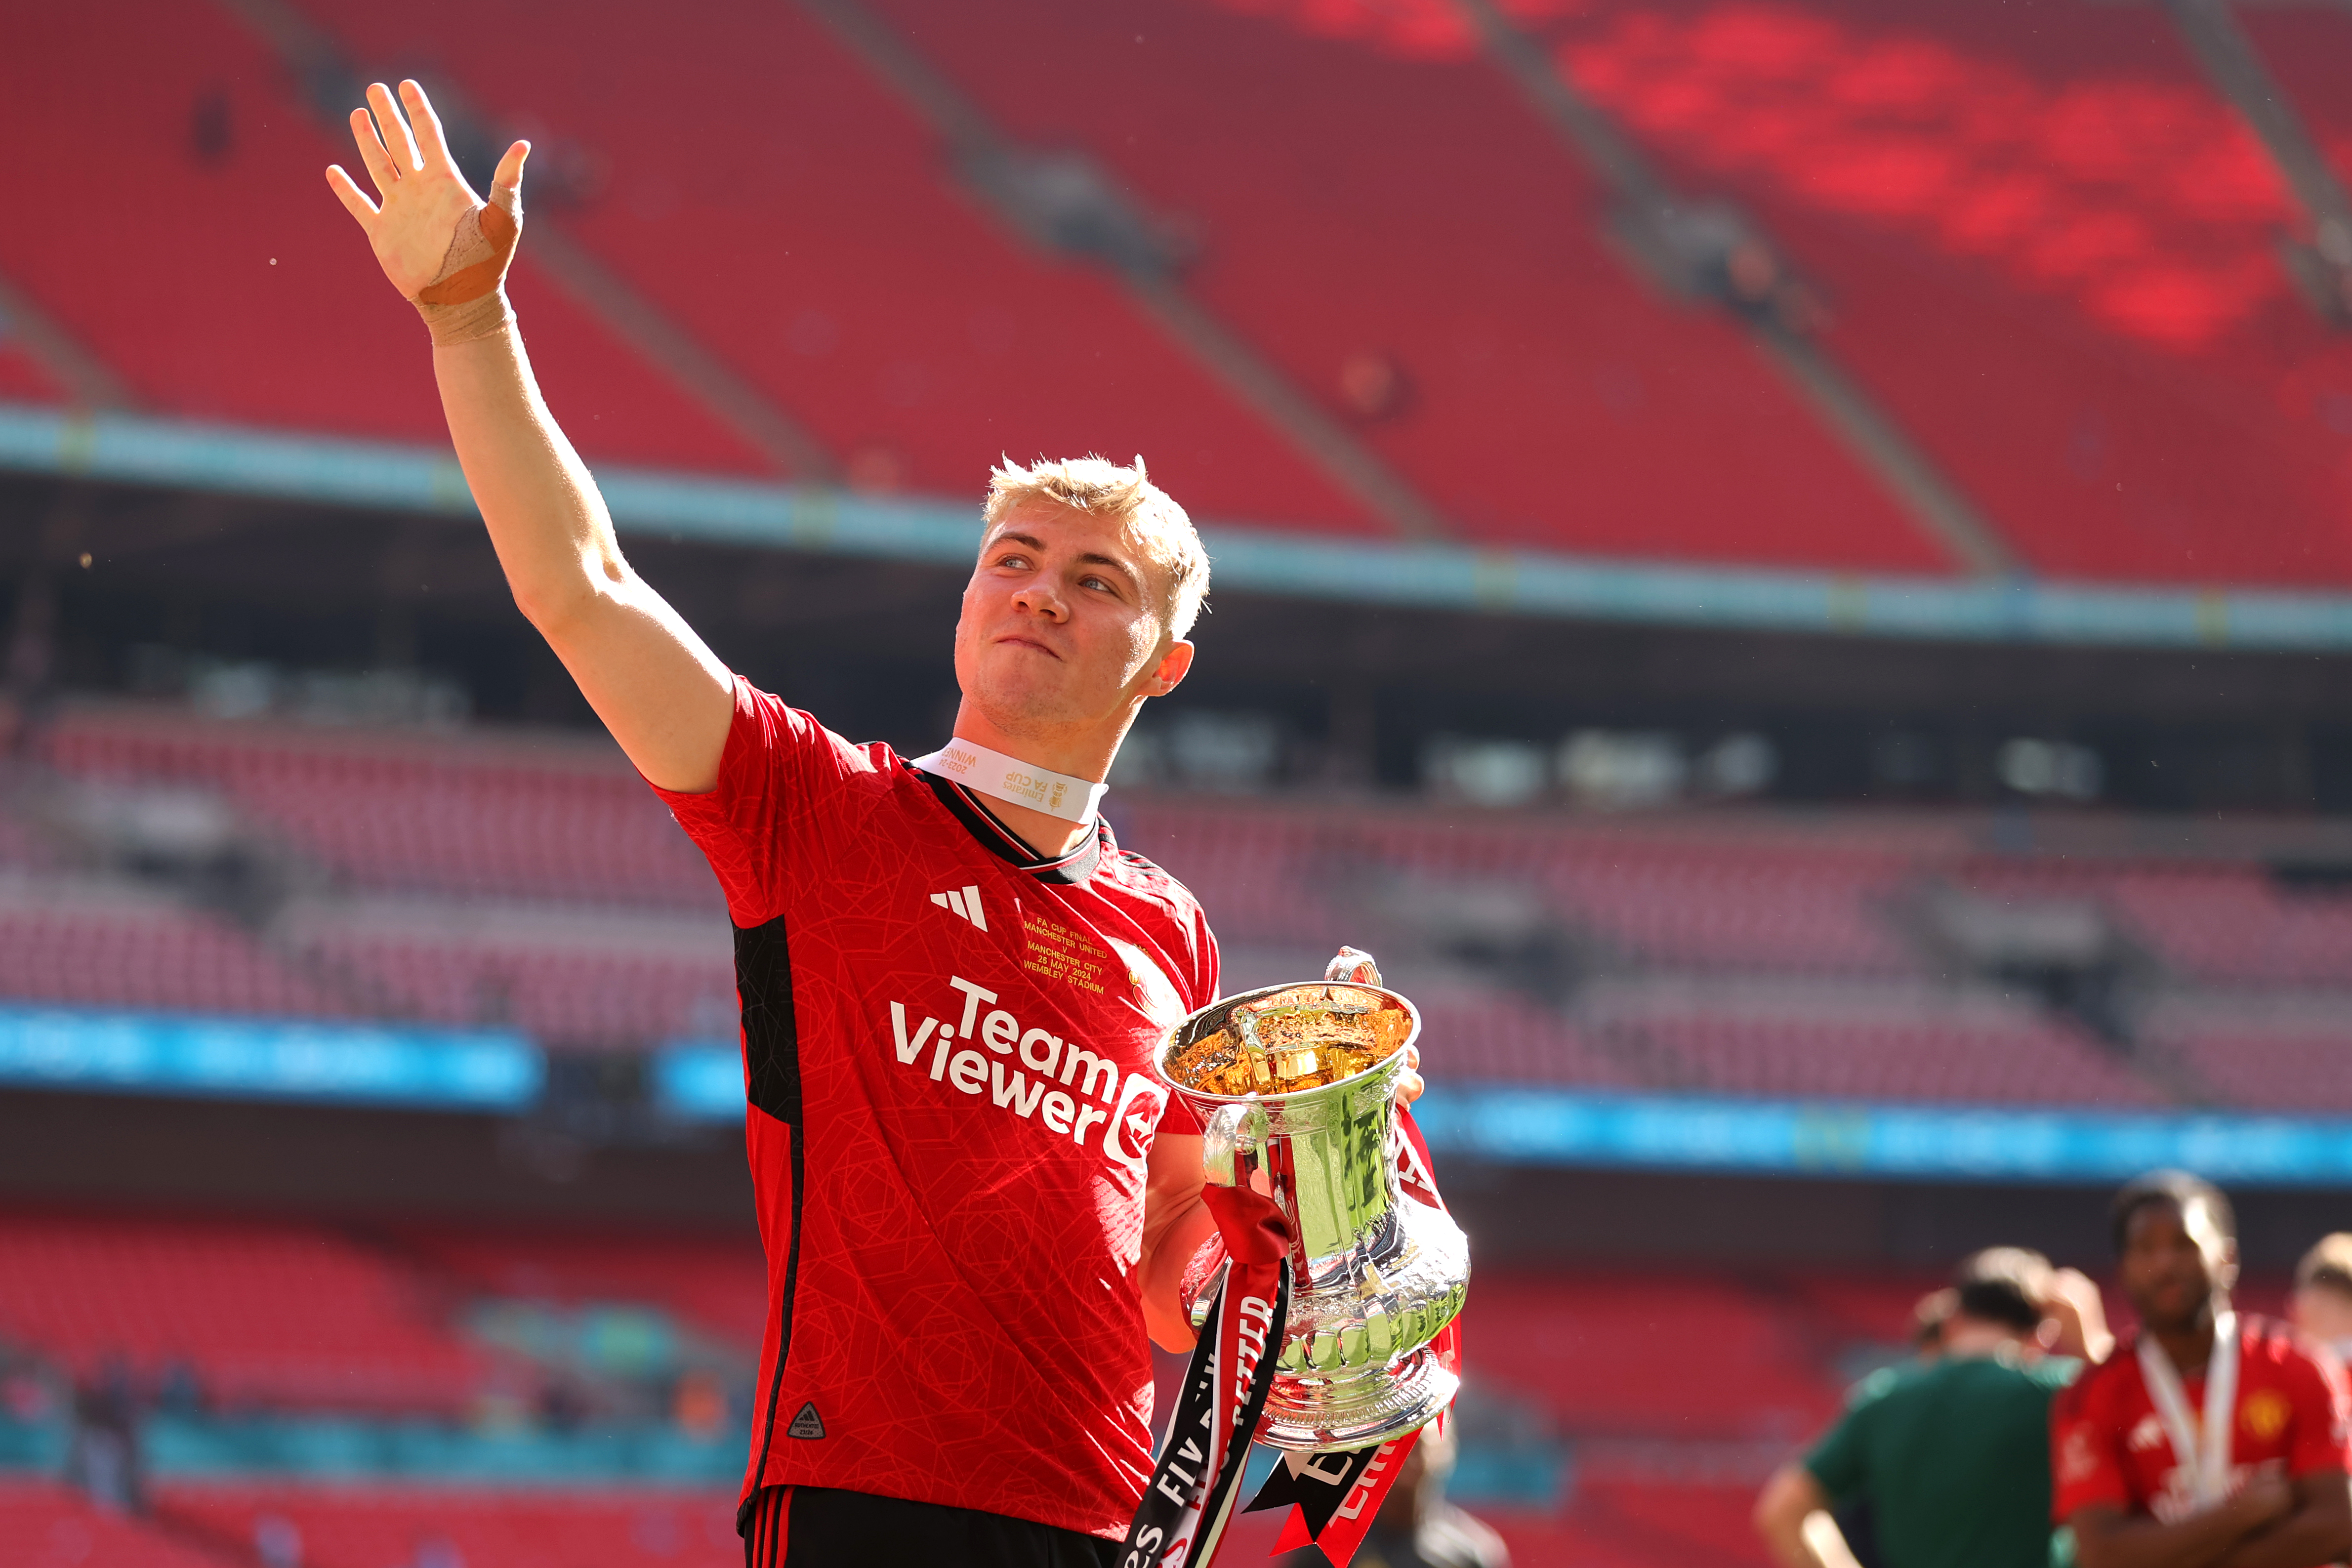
(2235, 924)
(44, 1525)
(839, 267)
(1411, 211)
(719, 1284)
(210, 158)
(441, 876)
(413, 812)
(2066, 213)
(2169, 410)
(271, 1314)
(22, 379)
(566, 995)
(370, 1526)
(104, 946)
(1620, 1353)
(1904, 1054)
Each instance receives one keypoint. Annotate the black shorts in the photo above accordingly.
(817, 1527)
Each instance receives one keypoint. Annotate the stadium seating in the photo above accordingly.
(2067, 214)
(719, 1284)
(220, 278)
(2048, 250)
(415, 811)
(130, 953)
(470, 1527)
(534, 881)
(2234, 924)
(282, 1315)
(1624, 1353)
(563, 995)
(837, 264)
(1901, 1054)
(1351, 205)
(1503, 1041)
(21, 378)
(44, 1525)
(2300, 1070)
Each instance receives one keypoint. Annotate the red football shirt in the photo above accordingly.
(2108, 1445)
(947, 1051)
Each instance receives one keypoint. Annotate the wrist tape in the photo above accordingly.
(467, 299)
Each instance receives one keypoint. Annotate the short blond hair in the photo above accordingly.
(1100, 488)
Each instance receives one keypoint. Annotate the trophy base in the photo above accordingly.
(1356, 1408)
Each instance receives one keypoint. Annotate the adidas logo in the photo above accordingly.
(965, 902)
(807, 1424)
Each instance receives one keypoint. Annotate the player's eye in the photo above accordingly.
(1102, 583)
(1017, 563)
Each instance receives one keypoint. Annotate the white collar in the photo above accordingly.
(991, 772)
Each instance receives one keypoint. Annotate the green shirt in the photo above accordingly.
(1954, 1459)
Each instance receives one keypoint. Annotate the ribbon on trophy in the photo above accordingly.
(1190, 1494)
(1335, 1497)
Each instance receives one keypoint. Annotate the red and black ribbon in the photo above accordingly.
(1226, 1383)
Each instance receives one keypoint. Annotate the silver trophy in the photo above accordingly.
(1295, 1087)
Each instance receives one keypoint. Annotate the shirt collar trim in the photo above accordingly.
(967, 808)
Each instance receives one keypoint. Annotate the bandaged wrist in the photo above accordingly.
(467, 298)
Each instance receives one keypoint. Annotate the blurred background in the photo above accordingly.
(1787, 565)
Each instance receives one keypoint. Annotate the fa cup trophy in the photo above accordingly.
(1296, 1088)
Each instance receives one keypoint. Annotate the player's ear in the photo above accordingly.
(1174, 665)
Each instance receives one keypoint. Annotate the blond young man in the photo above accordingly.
(953, 980)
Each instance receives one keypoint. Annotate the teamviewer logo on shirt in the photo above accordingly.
(965, 903)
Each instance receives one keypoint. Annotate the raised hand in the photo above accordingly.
(442, 246)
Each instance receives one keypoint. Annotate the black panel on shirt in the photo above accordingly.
(771, 1047)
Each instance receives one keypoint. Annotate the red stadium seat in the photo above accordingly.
(43, 1525)
(278, 1315)
(221, 279)
(374, 1525)
(720, 1284)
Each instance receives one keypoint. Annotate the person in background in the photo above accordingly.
(2322, 1304)
(1928, 1317)
(1416, 1527)
(1852, 1516)
(2215, 1437)
(104, 1459)
(1949, 1457)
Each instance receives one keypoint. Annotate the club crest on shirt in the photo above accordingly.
(1153, 992)
(2148, 1434)
(2265, 1413)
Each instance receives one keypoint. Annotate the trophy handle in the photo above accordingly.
(1235, 1131)
(1354, 965)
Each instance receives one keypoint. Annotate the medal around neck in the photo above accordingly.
(976, 767)
(2201, 1440)
(1295, 1087)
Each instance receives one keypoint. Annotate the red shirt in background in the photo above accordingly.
(948, 1053)
(2108, 1445)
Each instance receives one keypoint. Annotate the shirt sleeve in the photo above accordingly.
(2322, 1413)
(2085, 1455)
(783, 779)
(1839, 1462)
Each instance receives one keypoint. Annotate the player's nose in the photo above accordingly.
(1040, 599)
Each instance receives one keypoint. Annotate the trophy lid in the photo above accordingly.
(1286, 1039)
